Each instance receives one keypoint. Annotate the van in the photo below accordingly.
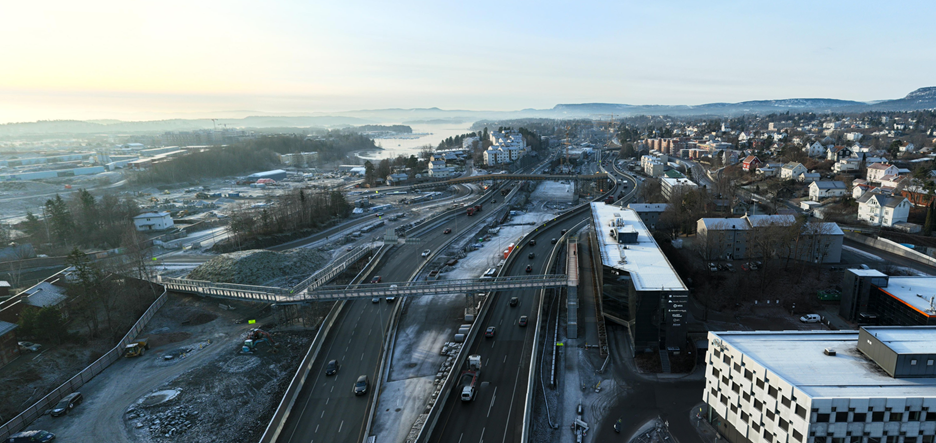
(490, 273)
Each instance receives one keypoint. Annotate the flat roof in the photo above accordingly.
(7, 327)
(643, 260)
(867, 272)
(915, 292)
(798, 358)
(907, 339)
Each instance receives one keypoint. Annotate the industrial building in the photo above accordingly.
(640, 288)
(868, 294)
(153, 221)
(276, 174)
(875, 385)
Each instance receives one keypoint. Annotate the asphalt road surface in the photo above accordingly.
(326, 410)
(496, 414)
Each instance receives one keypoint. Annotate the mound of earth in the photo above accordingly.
(261, 267)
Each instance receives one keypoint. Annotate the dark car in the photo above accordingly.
(553, 240)
(564, 231)
(66, 404)
(447, 231)
(31, 437)
(529, 268)
(360, 386)
(522, 321)
(489, 332)
(532, 243)
(514, 301)
(376, 279)
(332, 367)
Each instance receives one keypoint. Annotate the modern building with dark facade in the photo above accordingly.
(898, 301)
(640, 288)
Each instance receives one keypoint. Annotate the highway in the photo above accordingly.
(326, 410)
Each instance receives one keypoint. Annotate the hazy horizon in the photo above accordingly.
(138, 61)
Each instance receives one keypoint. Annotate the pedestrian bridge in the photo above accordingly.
(268, 294)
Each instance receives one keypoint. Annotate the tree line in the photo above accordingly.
(299, 210)
(82, 220)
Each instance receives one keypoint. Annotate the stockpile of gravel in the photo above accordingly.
(261, 267)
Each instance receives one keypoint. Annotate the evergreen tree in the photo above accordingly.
(928, 224)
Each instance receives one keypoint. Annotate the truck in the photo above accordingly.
(136, 348)
(469, 378)
(471, 211)
(478, 208)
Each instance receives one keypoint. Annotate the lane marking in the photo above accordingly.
(362, 356)
(316, 429)
(339, 426)
(329, 398)
(460, 437)
(333, 388)
(323, 414)
(505, 359)
(493, 397)
(482, 434)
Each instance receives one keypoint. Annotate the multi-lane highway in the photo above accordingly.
(326, 410)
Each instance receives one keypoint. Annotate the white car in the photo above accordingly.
(426, 253)
(810, 318)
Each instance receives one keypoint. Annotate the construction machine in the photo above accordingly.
(137, 348)
(254, 338)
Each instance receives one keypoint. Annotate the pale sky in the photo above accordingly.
(135, 60)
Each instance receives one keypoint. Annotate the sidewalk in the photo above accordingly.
(697, 416)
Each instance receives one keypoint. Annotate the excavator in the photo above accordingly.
(254, 338)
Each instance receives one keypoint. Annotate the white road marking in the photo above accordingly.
(333, 388)
(492, 344)
(460, 437)
(339, 426)
(329, 398)
(316, 428)
(362, 356)
(323, 414)
(493, 397)
(482, 434)
(505, 358)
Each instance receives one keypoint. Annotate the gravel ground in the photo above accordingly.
(261, 267)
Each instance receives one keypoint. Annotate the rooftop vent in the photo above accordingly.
(829, 351)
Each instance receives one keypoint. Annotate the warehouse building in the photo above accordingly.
(876, 385)
(276, 174)
(640, 288)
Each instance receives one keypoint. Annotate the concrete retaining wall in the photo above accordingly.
(892, 247)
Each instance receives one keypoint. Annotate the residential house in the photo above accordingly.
(809, 177)
(397, 179)
(878, 170)
(883, 210)
(792, 170)
(859, 187)
(849, 164)
(751, 163)
(837, 153)
(907, 147)
(826, 189)
(815, 150)
(153, 221)
(893, 181)
(437, 169)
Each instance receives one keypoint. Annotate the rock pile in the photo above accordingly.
(261, 267)
(166, 424)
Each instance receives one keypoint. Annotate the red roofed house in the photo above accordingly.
(751, 163)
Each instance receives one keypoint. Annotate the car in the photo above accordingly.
(489, 332)
(350, 248)
(514, 301)
(744, 267)
(712, 267)
(66, 404)
(522, 321)
(28, 346)
(360, 386)
(379, 214)
(375, 300)
(529, 269)
(553, 241)
(391, 299)
(810, 318)
(531, 256)
(31, 437)
(564, 231)
(532, 242)
(426, 252)
(332, 367)
(447, 231)
(376, 279)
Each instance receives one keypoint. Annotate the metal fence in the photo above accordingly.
(38, 408)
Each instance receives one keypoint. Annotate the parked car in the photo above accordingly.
(426, 252)
(28, 346)
(712, 267)
(66, 404)
(531, 256)
(744, 267)
(489, 332)
(810, 318)
(522, 321)
(376, 279)
(529, 269)
(332, 367)
(31, 437)
(447, 231)
(514, 301)
(360, 386)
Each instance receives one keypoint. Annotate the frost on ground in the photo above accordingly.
(563, 191)
(261, 267)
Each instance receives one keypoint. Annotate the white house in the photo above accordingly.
(495, 156)
(847, 165)
(815, 150)
(907, 147)
(153, 221)
(438, 169)
(883, 210)
(792, 170)
(826, 189)
(878, 170)
(809, 177)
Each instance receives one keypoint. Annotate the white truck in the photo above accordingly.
(469, 378)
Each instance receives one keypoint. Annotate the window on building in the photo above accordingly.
(714, 392)
(822, 418)
(746, 397)
(929, 362)
(737, 367)
(910, 440)
(725, 359)
(838, 439)
(877, 416)
(854, 439)
(759, 383)
(797, 435)
(770, 415)
(930, 416)
(772, 391)
(895, 416)
(913, 416)
(912, 363)
(724, 400)
(783, 424)
(801, 411)
(734, 409)
(841, 417)
(725, 381)
(928, 439)
(758, 405)
(874, 439)
(891, 439)
(755, 427)
(860, 417)
(715, 372)
(785, 401)
(736, 387)
(748, 374)
(717, 353)
(768, 436)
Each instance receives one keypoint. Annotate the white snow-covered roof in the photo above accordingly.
(152, 215)
(45, 294)
(915, 292)
(648, 207)
(643, 260)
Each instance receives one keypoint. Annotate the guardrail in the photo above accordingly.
(38, 408)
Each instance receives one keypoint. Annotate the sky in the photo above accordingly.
(169, 59)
